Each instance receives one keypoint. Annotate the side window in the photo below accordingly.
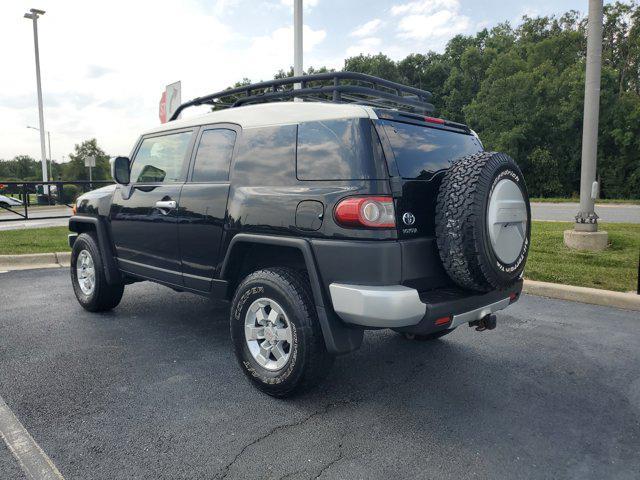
(339, 150)
(214, 155)
(266, 156)
(160, 159)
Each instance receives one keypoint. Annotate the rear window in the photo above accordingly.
(422, 151)
(347, 149)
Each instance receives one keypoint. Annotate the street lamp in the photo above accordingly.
(33, 15)
(585, 234)
(297, 42)
(50, 157)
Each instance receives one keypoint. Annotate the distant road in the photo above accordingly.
(15, 222)
(566, 212)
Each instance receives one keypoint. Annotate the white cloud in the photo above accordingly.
(434, 20)
(425, 6)
(276, 50)
(103, 72)
(369, 45)
(367, 29)
(305, 3)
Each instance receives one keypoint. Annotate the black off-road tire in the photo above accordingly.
(309, 362)
(104, 296)
(461, 222)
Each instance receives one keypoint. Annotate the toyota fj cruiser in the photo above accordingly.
(316, 219)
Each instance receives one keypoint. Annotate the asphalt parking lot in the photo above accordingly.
(152, 390)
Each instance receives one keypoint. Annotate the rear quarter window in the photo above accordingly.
(421, 151)
(266, 156)
(347, 149)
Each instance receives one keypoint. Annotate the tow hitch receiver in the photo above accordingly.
(488, 322)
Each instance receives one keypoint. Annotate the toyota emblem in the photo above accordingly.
(408, 218)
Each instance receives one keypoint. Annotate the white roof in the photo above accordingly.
(275, 113)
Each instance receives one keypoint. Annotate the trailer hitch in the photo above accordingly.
(488, 322)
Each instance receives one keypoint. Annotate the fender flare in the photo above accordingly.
(112, 273)
(339, 338)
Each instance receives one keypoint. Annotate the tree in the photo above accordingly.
(75, 169)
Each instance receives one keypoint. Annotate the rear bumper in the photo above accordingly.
(406, 309)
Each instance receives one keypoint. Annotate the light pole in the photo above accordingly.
(33, 15)
(297, 41)
(585, 235)
(50, 157)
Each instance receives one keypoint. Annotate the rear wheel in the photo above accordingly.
(88, 277)
(275, 332)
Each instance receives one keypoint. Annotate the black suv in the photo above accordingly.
(317, 219)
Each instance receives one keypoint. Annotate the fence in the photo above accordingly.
(37, 200)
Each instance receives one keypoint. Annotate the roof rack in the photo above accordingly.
(334, 87)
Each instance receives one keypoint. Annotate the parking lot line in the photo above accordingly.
(34, 462)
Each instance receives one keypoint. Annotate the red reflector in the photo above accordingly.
(434, 120)
(442, 320)
(513, 296)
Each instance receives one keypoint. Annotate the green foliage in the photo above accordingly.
(522, 90)
(25, 168)
(75, 169)
(543, 179)
(22, 167)
(70, 193)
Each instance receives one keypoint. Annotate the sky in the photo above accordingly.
(105, 64)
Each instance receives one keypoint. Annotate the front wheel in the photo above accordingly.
(88, 277)
(276, 334)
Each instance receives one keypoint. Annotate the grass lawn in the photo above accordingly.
(614, 269)
(631, 201)
(549, 260)
(34, 240)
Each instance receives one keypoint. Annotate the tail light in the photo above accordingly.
(366, 212)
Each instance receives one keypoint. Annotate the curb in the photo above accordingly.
(594, 296)
(35, 260)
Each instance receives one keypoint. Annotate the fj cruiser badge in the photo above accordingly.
(408, 218)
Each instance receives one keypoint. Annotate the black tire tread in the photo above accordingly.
(459, 209)
(106, 296)
(317, 361)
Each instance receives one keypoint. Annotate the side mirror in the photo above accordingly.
(120, 170)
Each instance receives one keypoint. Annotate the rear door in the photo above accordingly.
(144, 214)
(423, 153)
(203, 205)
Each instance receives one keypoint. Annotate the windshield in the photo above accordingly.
(422, 151)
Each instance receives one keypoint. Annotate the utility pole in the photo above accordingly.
(33, 15)
(50, 157)
(297, 41)
(585, 235)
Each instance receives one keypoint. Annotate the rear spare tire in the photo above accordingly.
(483, 221)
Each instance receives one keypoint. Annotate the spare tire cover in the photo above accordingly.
(483, 221)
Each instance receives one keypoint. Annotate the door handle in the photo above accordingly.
(166, 204)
